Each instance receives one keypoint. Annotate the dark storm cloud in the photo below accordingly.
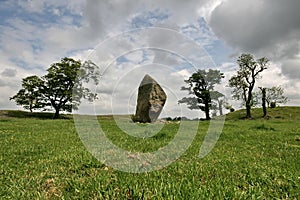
(264, 27)
(269, 26)
(291, 68)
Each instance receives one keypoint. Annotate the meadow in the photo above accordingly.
(43, 158)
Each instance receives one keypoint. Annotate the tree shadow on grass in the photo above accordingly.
(36, 115)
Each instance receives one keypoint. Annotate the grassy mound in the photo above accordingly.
(284, 113)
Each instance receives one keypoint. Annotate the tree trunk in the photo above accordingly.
(30, 106)
(248, 111)
(248, 107)
(268, 103)
(56, 114)
(248, 102)
(220, 102)
(207, 117)
(263, 90)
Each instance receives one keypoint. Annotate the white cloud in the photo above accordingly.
(41, 32)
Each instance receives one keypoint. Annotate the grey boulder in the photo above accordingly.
(150, 102)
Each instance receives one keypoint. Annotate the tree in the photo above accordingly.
(220, 99)
(263, 100)
(201, 84)
(274, 95)
(63, 87)
(244, 81)
(29, 96)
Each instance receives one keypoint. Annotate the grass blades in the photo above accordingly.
(253, 159)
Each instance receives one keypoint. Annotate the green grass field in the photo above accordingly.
(43, 158)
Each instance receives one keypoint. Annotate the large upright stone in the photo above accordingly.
(150, 102)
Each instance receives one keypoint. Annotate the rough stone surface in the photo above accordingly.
(150, 102)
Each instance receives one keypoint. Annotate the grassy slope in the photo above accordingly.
(284, 113)
(255, 159)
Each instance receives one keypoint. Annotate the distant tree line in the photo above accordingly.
(62, 88)
(200, 87)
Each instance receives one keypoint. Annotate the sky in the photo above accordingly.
(167, 39)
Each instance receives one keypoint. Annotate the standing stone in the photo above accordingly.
(150, 102)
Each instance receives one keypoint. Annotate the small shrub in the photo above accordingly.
(169, 119)
(133, 118)
(273, 105)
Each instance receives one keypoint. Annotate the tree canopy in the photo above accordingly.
(62, 88)
(29, 96)
(220, 100)
(201, 85)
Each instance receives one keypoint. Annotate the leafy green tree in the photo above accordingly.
(29, 96)
(244, 81)
(63, 87)
(200, 85)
